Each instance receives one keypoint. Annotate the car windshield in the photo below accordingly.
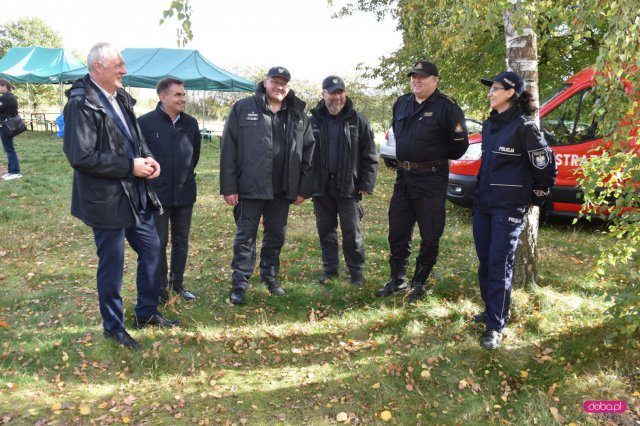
(553, 94)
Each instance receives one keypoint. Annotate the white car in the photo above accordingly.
(388, 148)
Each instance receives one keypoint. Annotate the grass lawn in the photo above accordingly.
(319, 355)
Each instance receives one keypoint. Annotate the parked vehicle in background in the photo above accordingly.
(388, 148)
(570, 132)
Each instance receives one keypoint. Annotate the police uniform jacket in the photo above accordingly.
(246, 159)
(8, 106)
(102, 194)
(357, 157)
(177, 149)
(515, 161)
(434, 130)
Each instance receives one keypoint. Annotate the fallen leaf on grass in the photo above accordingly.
(552, 389)
(556, 415)
(524, 374)
(342, 417)
(84, 410)
(385, 415)
(425, 374)
(375, 386)
(4, 324)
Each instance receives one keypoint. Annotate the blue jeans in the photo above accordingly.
(180, 219)
(143, 239)
(12, 158)
(496, 238)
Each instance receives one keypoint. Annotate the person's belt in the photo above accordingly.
(408, 165)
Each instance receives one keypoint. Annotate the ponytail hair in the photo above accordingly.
(526, 103)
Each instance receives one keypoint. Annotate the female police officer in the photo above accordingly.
(518, 169)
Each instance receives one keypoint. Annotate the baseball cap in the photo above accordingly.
(333, 83)
(508, 79)
(424, 68)
(281, 72)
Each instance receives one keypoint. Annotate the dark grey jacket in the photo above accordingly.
(177, 149)
(8, 106)
(357, 161)
(246, 159)
(102, 172)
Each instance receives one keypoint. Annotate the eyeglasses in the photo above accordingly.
(278, 84)
(496, 88)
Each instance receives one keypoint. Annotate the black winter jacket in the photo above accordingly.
(246, 158)
(177, 149)
(8, 106)
(357, 160)
(515, 161)
(103, 174)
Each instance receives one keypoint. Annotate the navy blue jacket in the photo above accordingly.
(515, 161)
(177, 149)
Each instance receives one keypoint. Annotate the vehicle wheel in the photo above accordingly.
(390, 162)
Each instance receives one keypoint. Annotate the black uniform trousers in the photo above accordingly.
(404, 212)
(179, 217)
(247, 213)
(143, 239)
(327, 211)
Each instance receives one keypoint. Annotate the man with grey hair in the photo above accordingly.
(112, 165)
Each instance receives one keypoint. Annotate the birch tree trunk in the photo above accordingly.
(522, 57)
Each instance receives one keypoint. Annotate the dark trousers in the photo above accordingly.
(274, 214)
(13, 165)
(496, 238)
(179, 217)
(143, 239)
(327, 210)
(404, 212)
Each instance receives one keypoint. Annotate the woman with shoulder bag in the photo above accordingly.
(8, 109)
(518, 170)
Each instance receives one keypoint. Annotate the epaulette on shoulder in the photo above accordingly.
(449, 98)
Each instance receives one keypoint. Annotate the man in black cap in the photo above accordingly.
(265, 165)
(430, 129)
(345, 165)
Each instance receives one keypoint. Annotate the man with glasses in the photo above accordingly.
(430, 129)
(345, 166)
(174, 139)
(265, 164)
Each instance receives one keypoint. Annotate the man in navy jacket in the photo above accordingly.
(174, 139)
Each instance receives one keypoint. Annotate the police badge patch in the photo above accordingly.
(539, 158)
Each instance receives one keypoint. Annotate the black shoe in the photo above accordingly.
(357, 280)
(391, 288)
(324, 278)
(490, 339)
(416, 294)
(237, 296)
(186, 294)
(123, 338)
(480, 318)
(156, 319)
(274, 287)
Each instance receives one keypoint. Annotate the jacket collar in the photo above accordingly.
(84, 86)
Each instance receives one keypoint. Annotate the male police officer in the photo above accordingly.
(265, 164)
(345, 165)
(430, 129)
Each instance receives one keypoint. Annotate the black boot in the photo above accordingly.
(419, 282)
(398, 281)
